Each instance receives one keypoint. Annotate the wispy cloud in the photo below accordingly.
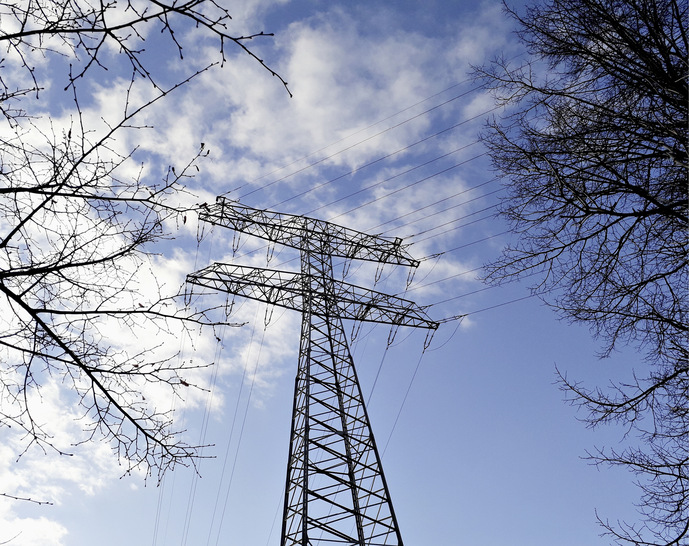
(346, 73)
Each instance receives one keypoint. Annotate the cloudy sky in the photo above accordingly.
(380, 136)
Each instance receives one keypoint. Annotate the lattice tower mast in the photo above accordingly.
(336, 492)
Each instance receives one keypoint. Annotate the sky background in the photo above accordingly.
(380, 136)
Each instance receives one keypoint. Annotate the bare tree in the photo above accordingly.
(593, 147)
(78, 229)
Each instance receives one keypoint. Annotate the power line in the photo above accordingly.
(449, 222)
(455, 228)
(450, 208)
(241, 435)
(377, 160)
(477, 311)
(387, 156)
(443, 200)
(202, 439)
(231, 435)
(487, 238)
(354, 133)
(389, 194)
(363, 141)
(452, 99)
(445, 279)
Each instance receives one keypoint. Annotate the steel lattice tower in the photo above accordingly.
(336, 491)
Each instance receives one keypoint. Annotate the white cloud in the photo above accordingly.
(488, 31)
(39, 531)
(344, 76)
(46, 476)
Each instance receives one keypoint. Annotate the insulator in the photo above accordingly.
(392, 334)
(236, 239)
(268, 316)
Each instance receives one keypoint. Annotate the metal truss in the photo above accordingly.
(336, 492)
(291, 230)
(287, 289)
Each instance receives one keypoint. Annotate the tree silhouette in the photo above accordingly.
(593, 147)
(79, 302)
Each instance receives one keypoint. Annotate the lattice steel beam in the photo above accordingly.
(293, 231)
(287, 289)
(336, 492)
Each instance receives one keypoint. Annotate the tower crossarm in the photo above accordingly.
(287, 289)
(281, 288)
(297, 231)
(364, 304)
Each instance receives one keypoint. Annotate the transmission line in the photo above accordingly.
(366, 140)
(443, 200)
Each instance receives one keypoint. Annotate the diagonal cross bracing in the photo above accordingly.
(287, 289)
(292, 230)
(336, 492)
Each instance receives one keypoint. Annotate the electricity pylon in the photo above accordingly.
(336, 492)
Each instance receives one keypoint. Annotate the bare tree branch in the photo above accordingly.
(78, 230)
(594, 150)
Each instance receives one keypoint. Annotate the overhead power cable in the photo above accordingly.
(202, 440)
(437, 213)
(231, 434)
(314, 188)
(443, 200)
(278, 169)
(476, 311)
(455, 228)
(451, 277)
(404, 401)
(398, 190)
(387, 156)
(465, 81)
(449, 222)
(241, 434)
(438, 254)
(397, 125)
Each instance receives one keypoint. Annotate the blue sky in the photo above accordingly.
(380, 136)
